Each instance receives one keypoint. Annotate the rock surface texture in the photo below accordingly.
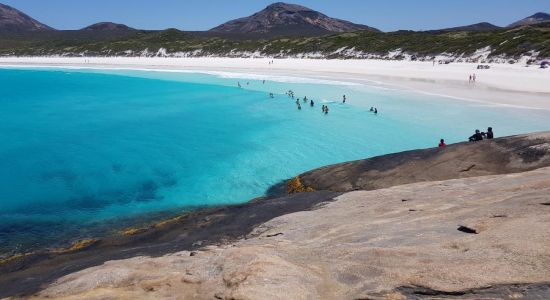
(480, 237)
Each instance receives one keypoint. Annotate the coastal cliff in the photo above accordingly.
(468, 221)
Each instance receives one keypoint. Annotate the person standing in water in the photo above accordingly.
(344, 99)
(442, 143)
(311, 103)
(375, 111)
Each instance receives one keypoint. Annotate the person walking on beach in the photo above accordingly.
(474, 77)
(442, 143)
(470, 81)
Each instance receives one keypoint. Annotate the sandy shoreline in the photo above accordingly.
(510, 85)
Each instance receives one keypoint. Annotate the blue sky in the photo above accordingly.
(387, 15)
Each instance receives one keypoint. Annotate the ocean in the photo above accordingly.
(88, 152)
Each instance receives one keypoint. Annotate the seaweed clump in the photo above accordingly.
(295, 185)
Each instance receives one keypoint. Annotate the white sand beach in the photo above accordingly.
(504, 84)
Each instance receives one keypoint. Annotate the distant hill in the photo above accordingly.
(534, 19)
(13, 20)
(484, 26)
(107, 26)
(282, 18)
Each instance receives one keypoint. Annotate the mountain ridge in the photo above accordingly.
(537, 18)
(14, 20)
(107, 26)
(280, 17)
(482, 26)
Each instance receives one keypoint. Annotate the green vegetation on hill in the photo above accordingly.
(510, 43)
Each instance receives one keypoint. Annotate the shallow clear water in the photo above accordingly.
(84, 148)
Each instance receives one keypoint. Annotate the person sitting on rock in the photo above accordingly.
(476, 136)
(489, 134)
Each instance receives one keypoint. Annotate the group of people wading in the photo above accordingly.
(305, 100)
(325, 109)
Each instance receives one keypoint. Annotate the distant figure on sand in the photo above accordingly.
(474, 77)
(442, 143)
(489, 134)
(477, 136)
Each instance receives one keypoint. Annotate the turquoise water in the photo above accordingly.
(83, 148)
